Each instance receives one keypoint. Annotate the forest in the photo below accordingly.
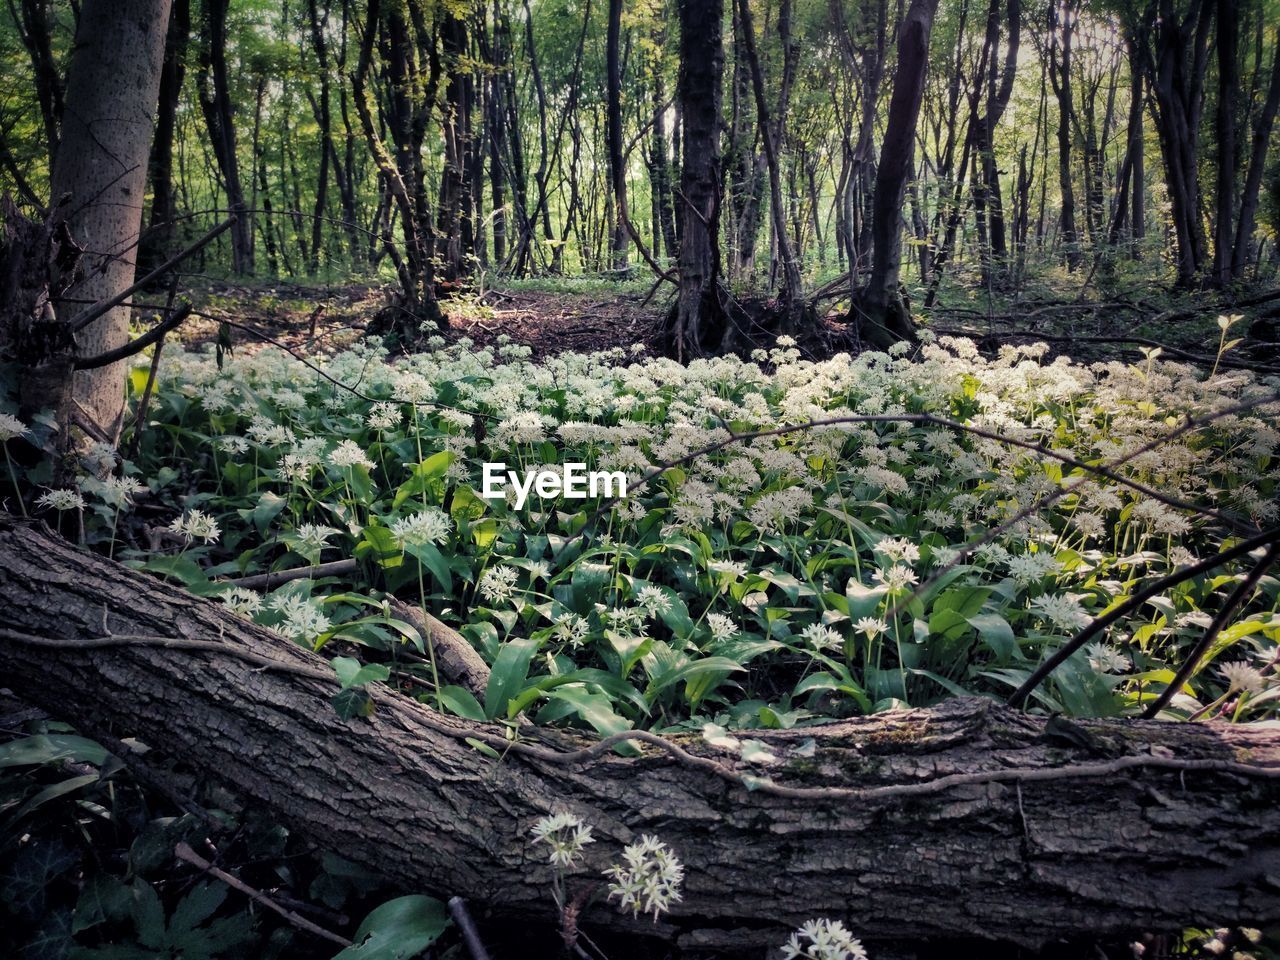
(607, 479)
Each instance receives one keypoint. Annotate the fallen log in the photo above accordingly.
(969, 820)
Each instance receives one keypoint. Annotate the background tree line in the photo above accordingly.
(721, 145)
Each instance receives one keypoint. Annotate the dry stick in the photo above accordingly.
(1060, 656)
(264, 581)
(138, 344)
(169, 643)
(184, 853)
(1238, 597)
(93, 313)
(459, 730)
(470, 935)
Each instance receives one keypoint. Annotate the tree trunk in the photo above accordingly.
(771, 130)
(1060, 75)
(878, 309)
(157, 242)
(613, 134)
(34, 23)
(1257, 164)
(1225, 126)
(324, 117)
(401, 173)
(1177, 81)
(215, 101)
(112, 86)
(454, 231)
(660, 176)
(699, 322)
(968, 821)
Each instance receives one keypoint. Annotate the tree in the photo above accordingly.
(410, 97)
(214, 84)
(1062, 26)
(908, 825)
(878, 309)
(699, 317)
(99, 183)
(1176, 71)
(164, 206)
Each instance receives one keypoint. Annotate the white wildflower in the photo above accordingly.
(429, 525)
(348, 454)
(650, 880)
(196, 525)
(61, 500)
(823, 940)
(565, 834)
(10, 427)
(498, 583)
(1242, 677)
(1062, 610)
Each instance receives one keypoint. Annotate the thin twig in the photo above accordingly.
(138, 344)
(1060, 655)
(1238, 598)
(470, 935)
(93, 313)
(184, 853)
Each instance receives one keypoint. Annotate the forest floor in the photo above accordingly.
(323, 319)
(553, 316)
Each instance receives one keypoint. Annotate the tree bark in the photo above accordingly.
(699, 322)
(112, 86)
(771, 130)
(613, 133)
(878, 308)
(214, 84)
(1062, 23)
(157, 243)
(1097, 828)
(1257, 164)
(1225, 124)
(1177, 80)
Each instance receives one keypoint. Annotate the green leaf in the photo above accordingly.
(996, 633)
(597, 710)
(351, 673)
(433, 560)
(46, 748)
(103, 898)
(196, 907)
(148, 914)
(424, 476)
(508, 675)
(461, 702)
(52, 792)
(353, 702)
(398, 930)
(717, 666)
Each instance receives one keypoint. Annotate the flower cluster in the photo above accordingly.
(565, 835)
(823, 940)
(650, 878)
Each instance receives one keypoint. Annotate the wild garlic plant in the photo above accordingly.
(649, 880)
(751, 581)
